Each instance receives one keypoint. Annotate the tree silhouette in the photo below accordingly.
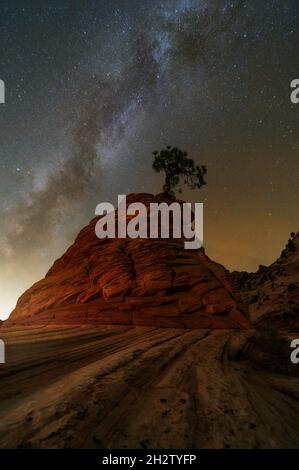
(175, 163)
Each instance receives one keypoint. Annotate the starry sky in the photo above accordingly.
(93, 87)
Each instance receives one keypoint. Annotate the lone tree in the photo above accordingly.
(175, 163)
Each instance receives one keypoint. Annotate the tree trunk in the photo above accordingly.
(167, 185)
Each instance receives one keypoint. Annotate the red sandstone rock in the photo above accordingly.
(140, 282)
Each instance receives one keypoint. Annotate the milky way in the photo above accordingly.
(92, 88)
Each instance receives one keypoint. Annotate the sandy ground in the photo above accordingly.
(114, 387)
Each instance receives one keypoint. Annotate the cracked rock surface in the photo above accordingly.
(142, 387)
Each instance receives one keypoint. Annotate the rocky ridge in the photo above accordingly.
(272, 293)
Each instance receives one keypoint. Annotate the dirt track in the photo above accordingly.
(128, 388)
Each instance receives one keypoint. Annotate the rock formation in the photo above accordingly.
(272, 293)
(152, 282)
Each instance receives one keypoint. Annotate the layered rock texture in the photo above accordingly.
(148, 282)
(272, 293)
(117, 387)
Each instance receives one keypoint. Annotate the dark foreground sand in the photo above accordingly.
(145, 387)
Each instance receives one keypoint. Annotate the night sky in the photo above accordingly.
(92, 88)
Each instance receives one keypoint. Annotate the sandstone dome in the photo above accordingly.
(140, 282)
